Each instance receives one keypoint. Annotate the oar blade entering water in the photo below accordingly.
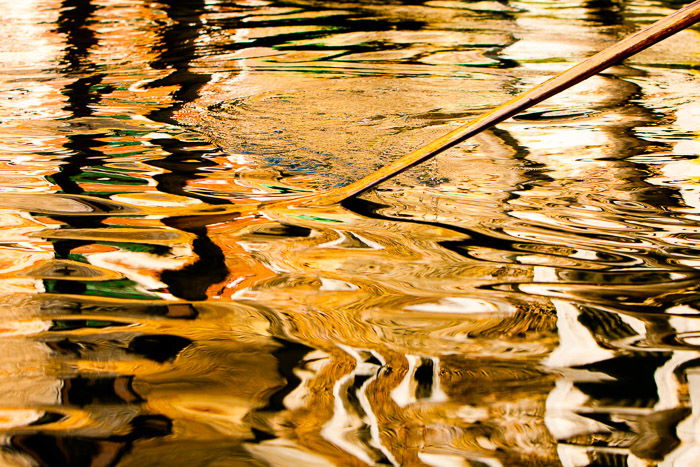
(612, 55)
(627, 47)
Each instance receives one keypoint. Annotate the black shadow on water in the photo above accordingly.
(74, 451)
(177, 50)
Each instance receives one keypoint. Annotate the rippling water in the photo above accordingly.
(528, 298)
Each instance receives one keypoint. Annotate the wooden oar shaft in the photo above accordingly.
(629, 46)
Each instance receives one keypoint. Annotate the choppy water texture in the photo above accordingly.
(528, 298)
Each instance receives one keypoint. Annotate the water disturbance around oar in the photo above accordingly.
(665, 27)
(627, 47)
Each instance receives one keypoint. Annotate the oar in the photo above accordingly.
(627, 47)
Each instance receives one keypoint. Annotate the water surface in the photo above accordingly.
(527, 298)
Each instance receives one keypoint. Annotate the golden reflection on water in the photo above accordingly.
(527, 298)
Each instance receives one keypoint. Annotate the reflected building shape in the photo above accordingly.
(621, 397)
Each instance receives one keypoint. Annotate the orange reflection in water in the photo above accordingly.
(527, 298)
